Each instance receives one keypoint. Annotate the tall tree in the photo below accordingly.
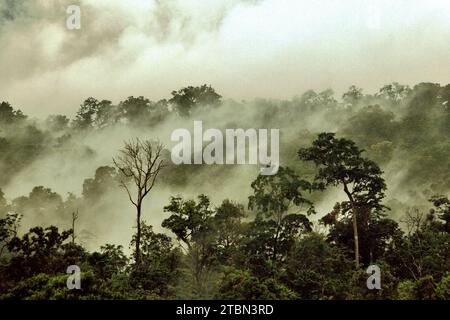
(278, 201)
(139, 162)
(340, 163)
(353, 95)
(159, 270)
(186, 99)
(9, 226)
(394, 92)
(8, 115)
(442, 206)
(192, 223)
(228, 223)
(93, 114)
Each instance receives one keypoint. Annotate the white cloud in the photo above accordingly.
(271, 48)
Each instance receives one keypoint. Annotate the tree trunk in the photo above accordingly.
(73, 227)
(74, 219)
(355, 237)
(355, 225)
(275, 248)
(138, 237)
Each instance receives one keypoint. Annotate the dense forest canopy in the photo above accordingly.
(372, 165)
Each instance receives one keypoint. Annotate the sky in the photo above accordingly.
(243, 48)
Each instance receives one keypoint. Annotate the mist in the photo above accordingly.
(262, 56)
(245, 49)
(69, 160)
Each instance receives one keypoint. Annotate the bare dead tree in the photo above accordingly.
(414, 219)
(139, 163)
(74, 220)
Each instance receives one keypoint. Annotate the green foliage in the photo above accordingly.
(268, 242)
(371, 125)
(358, 285)
(339, 163)
(187, 99)
(9, 116)
(317, 270)
(278, 193)
(229, 230)
(425, 252)
(57, 123)
(191, 222)
(442, 207)
(108, 262)
(242, 285)
(381, 152)
(425, 288)
(353, 95)
(405, 290)
(272, 234)
(41, 203)
(375, 235)
(8, 229)
(269, 252)
(394, 92)
(38, 251)
(92, 114)
(105, 179)
(443, 288)
(160, 261)
(141, 111)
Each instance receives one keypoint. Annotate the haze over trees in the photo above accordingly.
(364, 180)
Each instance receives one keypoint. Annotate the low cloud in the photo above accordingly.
(245, 49)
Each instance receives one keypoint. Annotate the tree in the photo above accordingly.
(57, 122)
(104, 180)
(38, 251)
(353, 95)
(274, 230)
(419, 118)
(8, 115)
(424, 251)
(139, 162)
(159, 270)
(41, 203)
(442, 207)
(93, 114)
(317, 270)
(443, 288)
(242, 285)
(109, 261)
(371, 125)
(340, 163)
(311, 101)
(8, 229)
(228, 224)
(192, 223)
(186, 99)
(4, 207)
(75, 217)
(394, 92)
(375, 232)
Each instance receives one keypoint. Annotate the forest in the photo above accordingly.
(364, 179)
